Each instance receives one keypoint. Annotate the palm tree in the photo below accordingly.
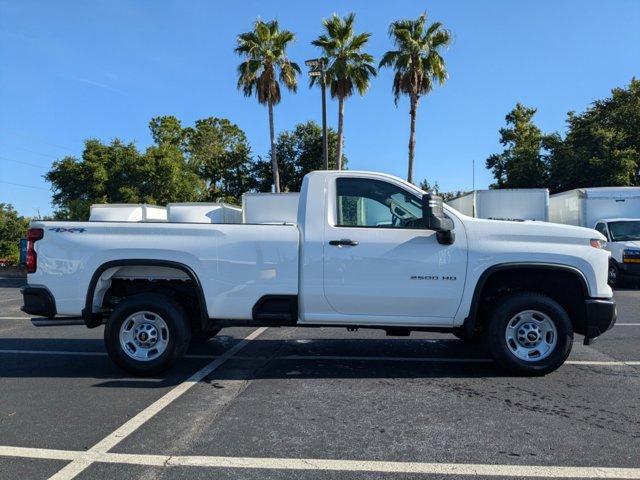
(418, 65)
(265, 50)
(347, 67)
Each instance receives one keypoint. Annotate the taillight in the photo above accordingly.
(33, 235)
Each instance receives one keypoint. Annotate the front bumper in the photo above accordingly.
(600, 316)
(38, 301)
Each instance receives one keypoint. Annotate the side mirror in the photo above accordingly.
(435, 219)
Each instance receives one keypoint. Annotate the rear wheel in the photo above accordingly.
(530, 334)
(147, 334)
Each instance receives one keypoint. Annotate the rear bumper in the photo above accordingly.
(38, 301)
(600, 316)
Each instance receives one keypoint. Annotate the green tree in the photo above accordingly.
(119, 173)
(602, 144)
(13, 227)
(522, 163)
(348, 68)
(418, 65)
(300, 152)
(219, 153)
(265, 50)
(167, 130)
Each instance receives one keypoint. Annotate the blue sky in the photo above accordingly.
(70, 70)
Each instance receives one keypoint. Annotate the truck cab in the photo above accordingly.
(623, 241)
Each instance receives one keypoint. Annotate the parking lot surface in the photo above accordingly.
(312, 404)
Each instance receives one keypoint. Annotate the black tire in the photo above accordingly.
(503, 313)
(613, 277)
(201, 336)
(175, 318)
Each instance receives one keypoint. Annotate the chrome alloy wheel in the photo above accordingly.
(144, 336)
(531, 335)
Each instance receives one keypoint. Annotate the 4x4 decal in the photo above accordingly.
(68, 230)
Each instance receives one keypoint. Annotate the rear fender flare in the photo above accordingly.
(94, 319)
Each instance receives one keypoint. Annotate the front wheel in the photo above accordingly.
(147, 334)
(530, 334)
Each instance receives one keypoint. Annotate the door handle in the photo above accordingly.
(344, 242)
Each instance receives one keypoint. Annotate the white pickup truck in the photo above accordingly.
(368, 250)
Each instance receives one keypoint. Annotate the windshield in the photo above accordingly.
(623, 231)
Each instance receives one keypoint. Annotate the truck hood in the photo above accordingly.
(530, 231)
(629, 244)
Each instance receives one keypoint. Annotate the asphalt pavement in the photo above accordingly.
(303, 403)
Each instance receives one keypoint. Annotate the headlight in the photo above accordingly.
(597, 243)
(631, 255)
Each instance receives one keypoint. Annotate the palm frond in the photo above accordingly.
(266, 62)
(416, 60)
(346, 65)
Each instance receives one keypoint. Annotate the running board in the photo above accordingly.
(57, 322)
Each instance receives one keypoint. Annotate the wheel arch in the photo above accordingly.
(472, 319)
(94, 319)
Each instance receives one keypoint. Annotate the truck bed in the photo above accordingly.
(236, 264)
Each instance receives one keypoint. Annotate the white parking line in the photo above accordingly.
(80, 463)
(314, 464)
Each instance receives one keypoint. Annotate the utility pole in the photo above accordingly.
(316, 66)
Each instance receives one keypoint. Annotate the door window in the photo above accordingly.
(369, 203)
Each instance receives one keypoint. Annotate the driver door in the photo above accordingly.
(380, 261)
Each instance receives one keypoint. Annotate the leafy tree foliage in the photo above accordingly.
(300, 152)
(218, 151)
(600, 148)
(119, 173)
(12, 228)
(521, 164)
(602, 145)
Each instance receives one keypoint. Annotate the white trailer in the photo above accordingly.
(585, 206)
(614, 212)
(505, 204)
(270, 207)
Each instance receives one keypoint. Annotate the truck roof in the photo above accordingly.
(621, 219)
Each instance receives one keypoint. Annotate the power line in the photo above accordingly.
(47, 155)
(33, 138)
(22, 185)
(23, 163)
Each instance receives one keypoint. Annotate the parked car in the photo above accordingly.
(367, 250)
(612, 211)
